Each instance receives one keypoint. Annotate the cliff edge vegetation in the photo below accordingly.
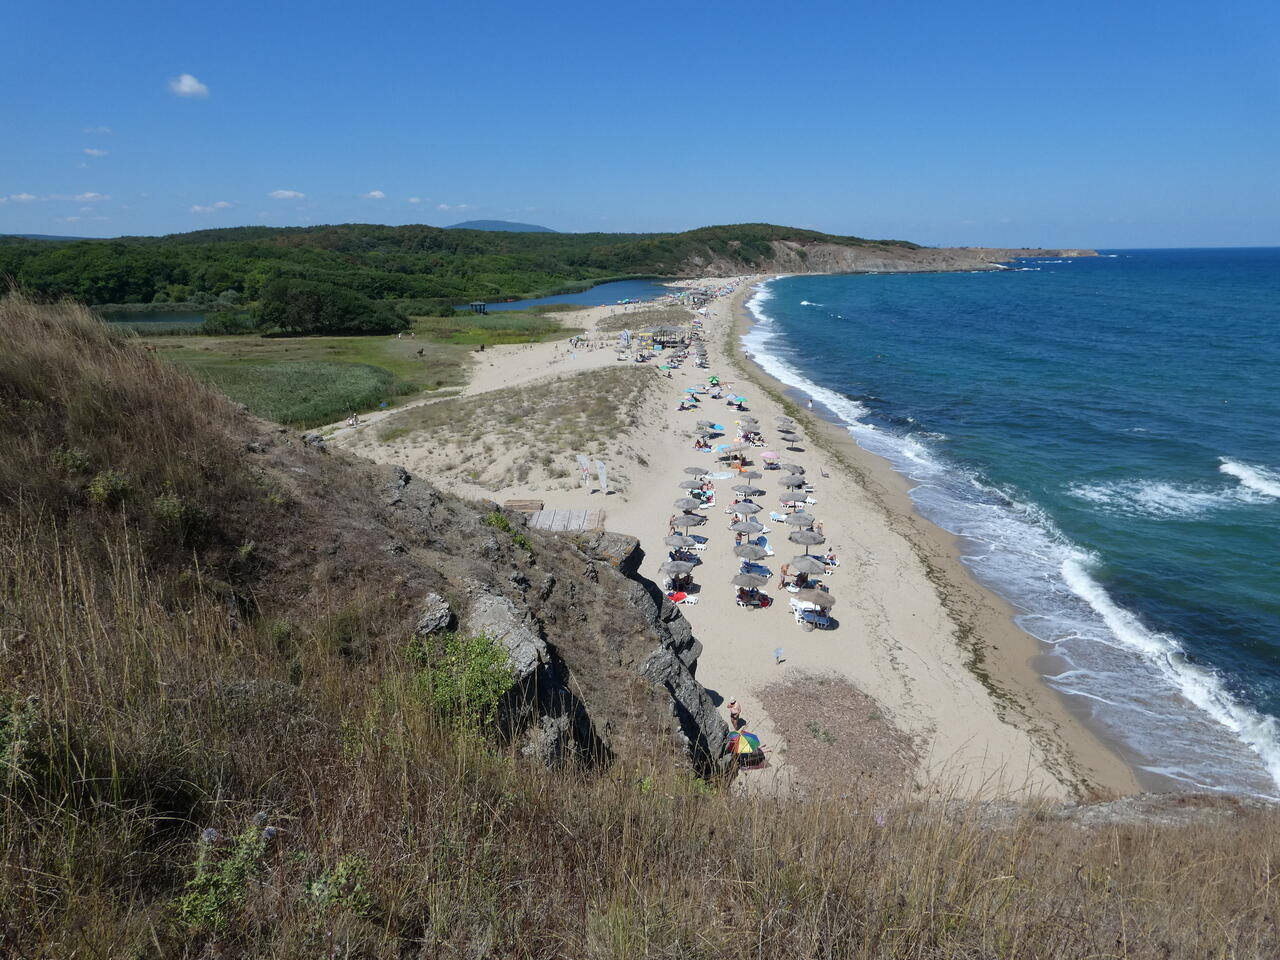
(262, 699)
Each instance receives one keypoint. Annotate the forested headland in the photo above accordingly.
(423, 269)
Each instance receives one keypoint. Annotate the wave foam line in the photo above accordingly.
(1256, 478)
(1201, 686)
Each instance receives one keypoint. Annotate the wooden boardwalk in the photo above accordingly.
(567, 521)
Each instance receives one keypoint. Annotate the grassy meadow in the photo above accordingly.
(309, 381)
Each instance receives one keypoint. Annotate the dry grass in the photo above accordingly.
(528, 435)
(646, 317)
(138, 708)
(839, 740)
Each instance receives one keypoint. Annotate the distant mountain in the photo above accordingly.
(505, 225)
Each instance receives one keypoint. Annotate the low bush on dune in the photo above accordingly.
(182, 775)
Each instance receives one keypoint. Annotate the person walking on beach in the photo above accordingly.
(735, 715)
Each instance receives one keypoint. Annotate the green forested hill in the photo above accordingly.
(380, 262)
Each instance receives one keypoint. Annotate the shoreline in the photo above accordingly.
(939, 655)
(1000, 653)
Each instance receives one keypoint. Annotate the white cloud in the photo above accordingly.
(22, 197)
(373, 195)
(286, 194)
(211, 208)
(106, 130)
(457, 206)
(91, 197)
(94, 152)
(415, 199)
(68, 219)
(188, 86)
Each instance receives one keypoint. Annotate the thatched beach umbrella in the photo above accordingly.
(808, 564)
(688, 503)
(750, 525)
(800, 519)
(792, 483)
(750, 475)
(806, 538)
(747, 490)
(792, 468)
(690, 484)
(679, 540)
(749, 551)
(819, 598)
(749, 580)
(689, 520)
(746, 509)
(677, 568)
(695, 471)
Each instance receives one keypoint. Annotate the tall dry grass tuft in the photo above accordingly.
(176, 782)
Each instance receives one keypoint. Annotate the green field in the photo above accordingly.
(502, 326)
(309, 381)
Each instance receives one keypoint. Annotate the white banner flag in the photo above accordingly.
(603, 474)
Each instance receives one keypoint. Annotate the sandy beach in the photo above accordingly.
(936, 656)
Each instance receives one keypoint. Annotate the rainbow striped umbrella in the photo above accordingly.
(742, 742)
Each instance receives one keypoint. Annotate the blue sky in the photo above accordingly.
(1093, 124)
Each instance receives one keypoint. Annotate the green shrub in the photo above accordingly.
(462, 677)
(109, 487)
(215, 894)
(71, 460)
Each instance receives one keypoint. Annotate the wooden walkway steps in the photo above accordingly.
(523, 506)
(567, 520)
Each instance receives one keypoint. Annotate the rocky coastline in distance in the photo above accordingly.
(790, 256)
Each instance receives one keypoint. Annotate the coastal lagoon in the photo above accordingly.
(603, 294)
(1101, 434)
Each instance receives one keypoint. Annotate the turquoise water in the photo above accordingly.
(1102, 435)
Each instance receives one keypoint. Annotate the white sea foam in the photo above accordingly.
(1175, 715)
(1255, 478)
(809, 303)
(1201, 685)
(1154, 498)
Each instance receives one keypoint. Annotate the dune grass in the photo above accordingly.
(647, 317)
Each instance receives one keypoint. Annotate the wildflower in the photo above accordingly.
(209, 835)
(270, 833)
(260, 818)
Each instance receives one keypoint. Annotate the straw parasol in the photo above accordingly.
(792, 481)
(749, 551)
(688, 503)
(679, 540)
(819, 598)
(792, 468)
(695, 471)
(750, 525)
(690, 484)
(746, 508)
(689, 520)
(749, 580)
(808, 564)
(750, 475)
(800, 519)
(747, 490)
(677, 568)
(806, 538)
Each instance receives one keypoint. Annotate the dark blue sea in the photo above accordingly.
(1103, 434)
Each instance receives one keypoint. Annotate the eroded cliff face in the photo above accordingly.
(603, 663)
(792, 257)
